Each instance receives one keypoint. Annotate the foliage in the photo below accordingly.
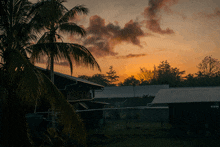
(97, 78)
(209, 75)
(168, 75)
(163, 74)
(145, 76)
(105, 80)
(21, 83)
(16, 71)
(53, 17)
(130, 81)
(111, 75)
(209, 66)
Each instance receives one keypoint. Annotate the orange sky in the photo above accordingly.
(130, 34)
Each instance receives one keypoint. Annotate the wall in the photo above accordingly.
(149, 114)
(126, 102)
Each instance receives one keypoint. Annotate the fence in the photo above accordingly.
(123, 116)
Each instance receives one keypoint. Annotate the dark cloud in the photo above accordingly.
(151, 13)
(99, 46)
(131, 56)
(102, 38)
(215, 14)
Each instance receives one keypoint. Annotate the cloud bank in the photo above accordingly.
(102, 37)
(215, 14)
(151, 14)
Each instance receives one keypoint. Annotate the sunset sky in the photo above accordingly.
(129, 34)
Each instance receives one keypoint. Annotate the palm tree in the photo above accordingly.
(53, 16)
(21, 83)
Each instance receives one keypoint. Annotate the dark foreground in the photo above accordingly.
(124, 134)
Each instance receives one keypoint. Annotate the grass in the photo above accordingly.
(141, 134)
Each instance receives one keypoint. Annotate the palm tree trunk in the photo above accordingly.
(52, 80)
(52, 40)
(52, 68)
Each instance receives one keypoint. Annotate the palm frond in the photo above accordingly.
(73, 125)
(32, 84)
(75, 52)
(45, 12)
(23, 30)
(71, 28)
(80, 9)
(81, 55)
(36, 24)
(37, 52)
(68, 58)
(21, 8)
(21, 74)
(44, 38)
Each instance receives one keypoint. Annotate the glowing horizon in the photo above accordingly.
(130, 36)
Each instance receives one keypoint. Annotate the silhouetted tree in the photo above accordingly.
(209, 66)
(145, 76)
(97, 78)
(130, 81)
(54, 17)
(168, 75)
(189, 81)
(111, 75)
(84, 77)
(21, 83)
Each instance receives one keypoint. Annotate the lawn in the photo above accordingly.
(123, 134)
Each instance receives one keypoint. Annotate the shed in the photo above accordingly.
(196, 107)
(129, 91)
(72, 87)
(129, 96)
(80, 93)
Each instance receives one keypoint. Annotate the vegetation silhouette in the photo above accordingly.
(130, 81)
(54, 17)
(208, 75)
(112, 76)
(102, 79)
(51, 16)
(209, 66)
(96, 78)
(21, 83)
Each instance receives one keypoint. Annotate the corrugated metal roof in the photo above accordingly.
(73, 78)
(129, 91)
(186, 95)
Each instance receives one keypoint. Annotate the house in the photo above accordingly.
(129, 96)
(80, 93)
(192, 108)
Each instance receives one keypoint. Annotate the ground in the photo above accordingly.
(142, 134)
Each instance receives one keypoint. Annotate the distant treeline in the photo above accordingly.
(208, 75)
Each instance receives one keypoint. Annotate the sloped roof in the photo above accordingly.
(186, 95)
(129, 91)
(73, 79)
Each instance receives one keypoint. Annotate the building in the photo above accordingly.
(80, 93)
(194, 108)
(129, 96)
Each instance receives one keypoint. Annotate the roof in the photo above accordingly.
(72, 78)
(129, 91)
(187, 95)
